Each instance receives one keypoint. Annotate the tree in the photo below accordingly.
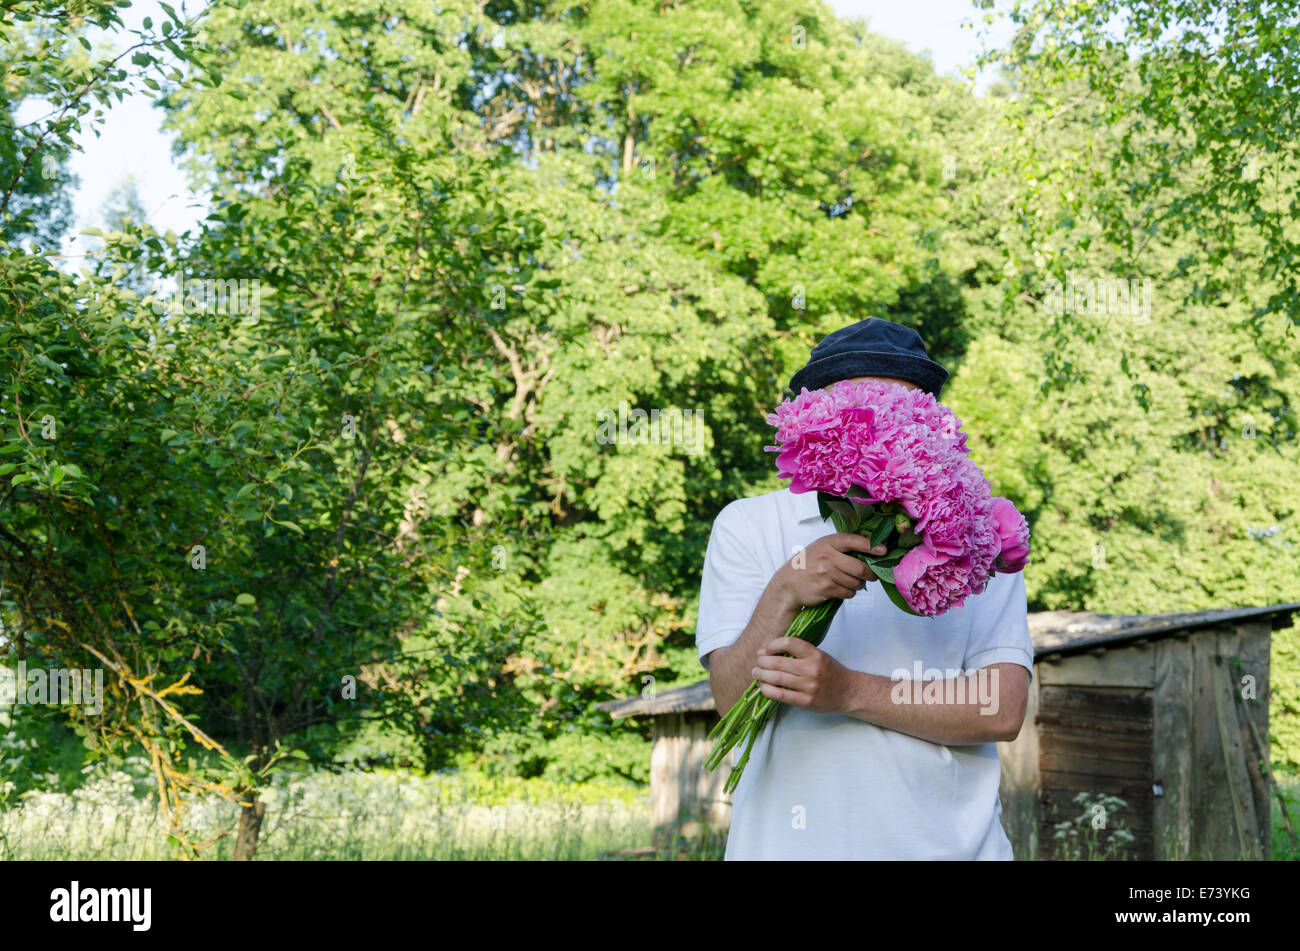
(217, 493)
(1130, 374)
(725, 181)
(37, 187)
(1201, 100)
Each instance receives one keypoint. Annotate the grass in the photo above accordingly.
(353, 815)
(1283, 851)
(399, 815)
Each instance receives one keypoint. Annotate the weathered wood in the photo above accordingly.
(1172, 749)
(1213, 833)
(1018, 788)
(681, 790)
(1241, 796)
(1257, 747)
(1063, 633)
(1252, 650)
(1078, 741)
(663, 784)
(692, 763)
(696, 697)
(1111, 728)
(1096, 740)
(717, 803)
(1115, 714)
(1089, 768)
(1121, 667)
(684, 780)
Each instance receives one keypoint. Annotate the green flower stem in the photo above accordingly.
(734, 726)
(747, 717)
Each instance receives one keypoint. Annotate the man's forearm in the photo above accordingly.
(730, 669)
(961, 715)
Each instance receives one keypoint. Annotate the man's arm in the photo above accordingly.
(989, 707)
(729, 667)
(815, 680)
(826, 570)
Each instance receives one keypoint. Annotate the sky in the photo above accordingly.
(132, 143)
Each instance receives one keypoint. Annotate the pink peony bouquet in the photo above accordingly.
(891, 464)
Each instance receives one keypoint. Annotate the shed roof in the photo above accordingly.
(1054, 633)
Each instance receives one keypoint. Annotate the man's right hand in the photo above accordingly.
(829, 570)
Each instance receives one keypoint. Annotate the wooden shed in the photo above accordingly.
(1166, 712)
(682, 791)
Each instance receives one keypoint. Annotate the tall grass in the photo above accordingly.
(1283, 850)
(352, 815)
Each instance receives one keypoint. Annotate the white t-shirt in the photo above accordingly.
(831, 786)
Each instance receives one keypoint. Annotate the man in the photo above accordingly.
(859, 761)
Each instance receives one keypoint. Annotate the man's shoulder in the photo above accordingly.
(1003, 597)
(754, 507)
(1002, 586)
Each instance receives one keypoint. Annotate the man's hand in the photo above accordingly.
(826, 569)
(811, 678)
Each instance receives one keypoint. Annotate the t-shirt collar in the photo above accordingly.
(806, 508)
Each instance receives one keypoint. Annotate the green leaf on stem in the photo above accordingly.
(891, 558)
(897, 598)
(883, 571)
(845, 511)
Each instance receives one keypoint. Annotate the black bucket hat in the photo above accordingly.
(871, 347)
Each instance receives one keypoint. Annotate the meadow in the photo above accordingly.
(314, 815)
(457, 815)
(350, 476)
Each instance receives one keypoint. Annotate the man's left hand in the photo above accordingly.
(810, 678)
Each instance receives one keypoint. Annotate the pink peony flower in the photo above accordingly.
(902, 446)
(1013, 536)
(932, 583)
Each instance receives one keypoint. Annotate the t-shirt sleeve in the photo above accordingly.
(1000, 629)
(732, 582)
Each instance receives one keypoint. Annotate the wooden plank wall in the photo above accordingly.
(1095, 724)
(1018, 791)
(1212, 800)
(1173, 749)
(1096, 741)
(680, 787)
(1230, 807)
(1252, 641)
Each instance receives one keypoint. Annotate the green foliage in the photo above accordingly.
(375, 505)
(233, 484)
(1198, 98)
(1152, 447)
(37, 204)
(37, 751)
(1284, 700)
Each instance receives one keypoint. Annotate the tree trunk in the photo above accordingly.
(250, 825)
(629, 142)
